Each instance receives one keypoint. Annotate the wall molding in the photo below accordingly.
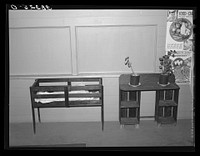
(86, 74)
(83, 74)
(39, 27)
(116, 25)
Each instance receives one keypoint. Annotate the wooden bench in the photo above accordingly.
(66, 92)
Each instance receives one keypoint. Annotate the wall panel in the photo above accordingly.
(40, 50)
(104, 48)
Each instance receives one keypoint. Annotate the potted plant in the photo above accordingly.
(166, 69)
(134, 78)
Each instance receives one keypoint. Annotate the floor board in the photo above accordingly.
(114, 135)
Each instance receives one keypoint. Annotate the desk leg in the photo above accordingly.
(176, 96)
(138, 113)
(156, 105)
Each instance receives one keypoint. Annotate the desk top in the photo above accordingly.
(148, 81)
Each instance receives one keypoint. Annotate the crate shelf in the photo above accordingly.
(166, 103)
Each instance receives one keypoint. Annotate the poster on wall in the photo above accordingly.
(179, 40)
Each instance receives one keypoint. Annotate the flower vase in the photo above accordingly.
(134, 80)
(164, 79)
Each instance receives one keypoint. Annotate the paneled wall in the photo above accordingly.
(82, 43)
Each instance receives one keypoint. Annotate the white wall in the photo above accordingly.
(71, 43)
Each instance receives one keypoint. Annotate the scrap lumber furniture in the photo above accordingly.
(166, 101)
(66, 92)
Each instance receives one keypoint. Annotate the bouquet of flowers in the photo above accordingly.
(166, 63)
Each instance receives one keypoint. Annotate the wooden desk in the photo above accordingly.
(166, 103)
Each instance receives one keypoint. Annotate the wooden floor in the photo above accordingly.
(147, 135)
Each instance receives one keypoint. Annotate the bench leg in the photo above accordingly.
(39, 115)
(33, 116)
(102, 118)
(102, 113)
